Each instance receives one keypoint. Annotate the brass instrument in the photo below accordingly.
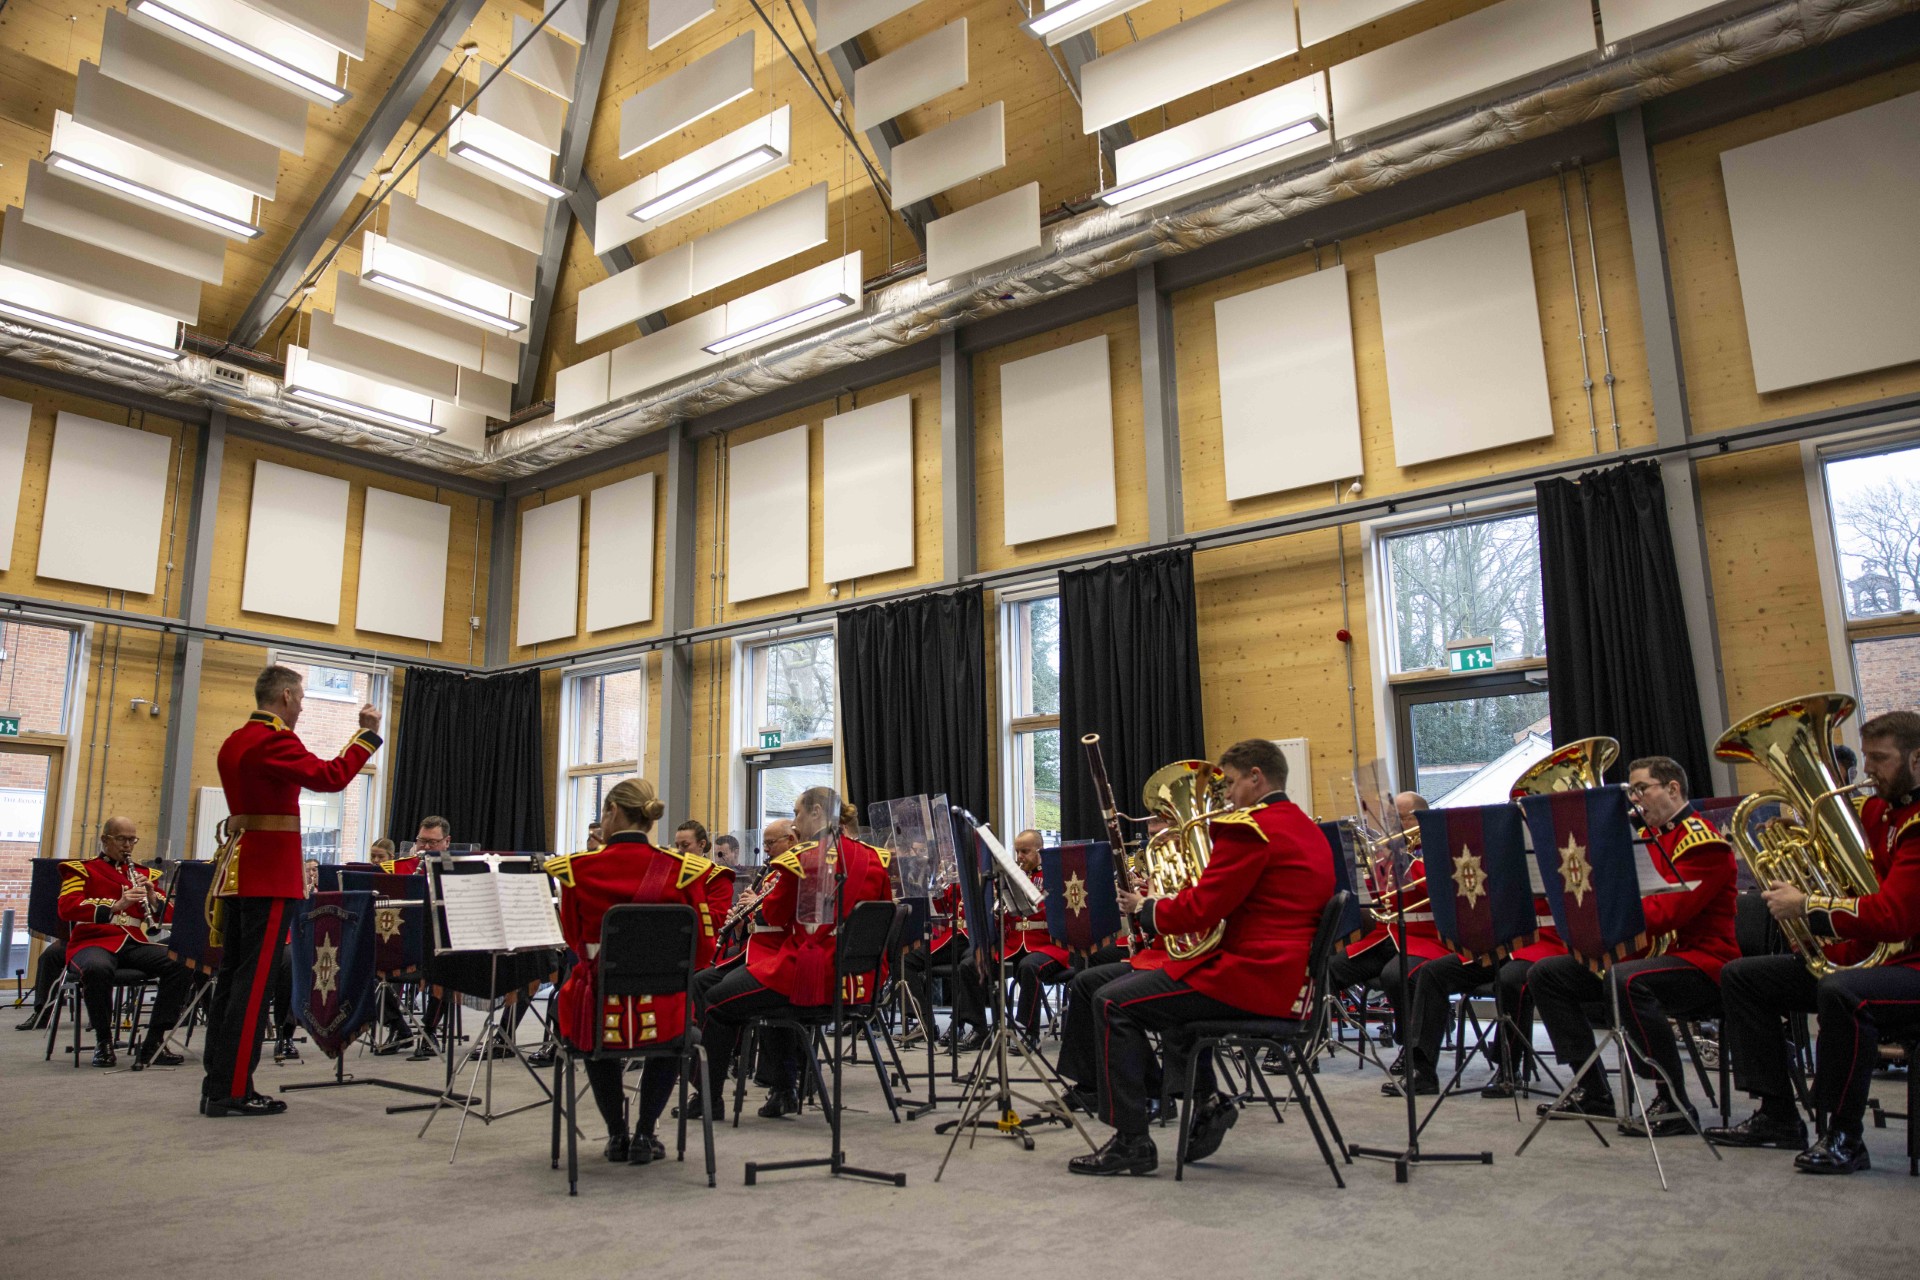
(1377, 847)
(1825, 852)
(1577, 766)
(1187, 795)
(1126, 863)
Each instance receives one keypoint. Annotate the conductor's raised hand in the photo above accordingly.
(369, 717)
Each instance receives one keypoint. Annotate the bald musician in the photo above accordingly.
(111, 901)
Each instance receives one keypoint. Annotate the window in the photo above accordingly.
(788, 690)
(40, 674)
(1462, 736)
(340, 827)
(1873, 503)
(1030, 702)
(605, 716)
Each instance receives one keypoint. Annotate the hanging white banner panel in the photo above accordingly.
(914, 73)
(186, 74)
(88, 214)
(958, 151)
(1003, 227)
(296, 544)
(692, 93)
(1321, 19)
(668, 18)
(403, 566)
(549, 597)
(768, 516)
(26, 247)
(620, 544)
(1056, 442)
(176, 133)
(838, 21)
(1214, 46)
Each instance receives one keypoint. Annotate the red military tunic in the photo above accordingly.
(1269, 877)
(627, 869)
(1699, 920)
(1029, 933)
(949, 905)
(1892, 914)
(796, 959)
(408, 866)
(89, 893)
(263, 769)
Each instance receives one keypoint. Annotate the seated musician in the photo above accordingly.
(1268, 878)
(1691, 935)
(1379, 956)
(110, 900)
(792, 966)
(946, 953)
(691, 837)
(1035, 957)
(1857, 1008)
(726, 851)
(381, 851)
(433, 835)
(1077, 1030)
(628, 869)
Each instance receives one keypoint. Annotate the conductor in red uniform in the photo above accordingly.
(1269, 878)
(628, 868)
(263, 769)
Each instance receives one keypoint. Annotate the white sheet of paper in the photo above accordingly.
(473, 913)
(527, 916)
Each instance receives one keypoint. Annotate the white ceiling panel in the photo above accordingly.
(334, 344)
(1322, 19)
(838, 21)
(581, 388)
(236, 21)
(956, 152)
(182, 136)
(146, 332)
(101, 271)
(769, 138)
(1217, 45)
(126, 162)
(568, 18)
(359, 306)
(479, 393)
(340, 23)
(980, 235)
(533, 113)
(88, 214)
(697, 90)
(668, 18)
(184, 74)
(546, 60)
(455, 244)
(1624, 19)
(760, 239)
(507, 213)
(917, 72)
(640, 290)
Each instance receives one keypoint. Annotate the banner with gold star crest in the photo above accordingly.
(1477, 879)
(1083, 903)
(399, 932)
(332, 954)
(1583, 845)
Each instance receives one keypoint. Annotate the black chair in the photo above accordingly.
(1911, 1043)
(1288, 1040)
(866, 936)
(646, 949)
(43, 917)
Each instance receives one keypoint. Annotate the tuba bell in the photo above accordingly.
(1578, 766)
(1824, 852)
(1186, 795)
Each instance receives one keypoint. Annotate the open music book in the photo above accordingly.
(498, 912)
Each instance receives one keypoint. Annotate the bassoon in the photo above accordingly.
(1116, 834)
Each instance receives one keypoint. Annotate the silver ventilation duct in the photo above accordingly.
(1078, 252)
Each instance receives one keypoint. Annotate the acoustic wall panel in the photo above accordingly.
(99, 467)
(182, 136)
(340, 23)
(61, 205)
(760, 239)
(546, 60)
(453, 243)
(534, 114)
(956, 152)
(296, 544)
(181, 73)
(513, 214)
(641, 290)
(1823, 235)
(1289, 411)
(1005, 226)
(16, 419)
(867, 468)
(362, 308)
(549, 598)
(692, 93)
(334, 344)
(620, 553)
(1460, 59)
(668, 18)
(1465, 367)
(916, 72)
(1321, 19)
(1214, 46)
(403, 566)
(101, 271)
(838, 21)
(1622, 19)
(1056, 439)
(769, 498)
(581, 388)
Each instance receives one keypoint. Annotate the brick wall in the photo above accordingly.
(33, 686)
(1889, 672)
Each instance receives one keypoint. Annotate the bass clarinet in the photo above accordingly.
(1116, 834)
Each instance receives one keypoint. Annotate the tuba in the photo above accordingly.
(1187, 795)
(1577, 766)
(1826, 851)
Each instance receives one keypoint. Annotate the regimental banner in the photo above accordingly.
(1354, 923)
(332, 954)
(1583, 845)
(191, 943)
(1083, 903)
(399, 932)
(1477, 880)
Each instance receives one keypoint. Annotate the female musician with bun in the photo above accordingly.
(628, 869)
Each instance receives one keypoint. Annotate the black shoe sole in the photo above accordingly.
(1834, 1170)
(1131, 1171)
(1717, 1138)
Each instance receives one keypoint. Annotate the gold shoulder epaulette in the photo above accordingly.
(389, 865)
(1697, 833)
(561, 868)
(717, 870)
(692, 867)
(1900, 832)
(72, 875)
(881, 852)
(790, 860)
(1241, 818)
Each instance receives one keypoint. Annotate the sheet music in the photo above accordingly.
(473, 912)
(527, 917)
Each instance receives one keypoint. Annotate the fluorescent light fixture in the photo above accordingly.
(307, 83)
(389, 266)
(322, 400)
(826, 290)
(356, 396)
(99, 177)
(694, 188)
(1063, 21)
(1211, 164)
(505, 324)
(86, 332)
(486, 160)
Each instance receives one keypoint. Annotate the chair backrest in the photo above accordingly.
(43, 898)
(1320, 956)
(867, 934)
(647, 949)
(1754, 928)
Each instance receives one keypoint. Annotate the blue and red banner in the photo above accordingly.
(190, 942)
(1354, 921)
(1083, 902)
(1583, 844)
(332, 954)
(1477, 881)
(399, 933)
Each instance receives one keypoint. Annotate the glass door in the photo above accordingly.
(29, 829)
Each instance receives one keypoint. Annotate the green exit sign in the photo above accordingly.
(769, 739)
(9, 726)
(1473, 655)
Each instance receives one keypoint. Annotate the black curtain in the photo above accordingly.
(468, 749)
(913, 692)
(1618, 658)
(1130, 672)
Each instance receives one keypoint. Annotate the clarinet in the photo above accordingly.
(1116, 835)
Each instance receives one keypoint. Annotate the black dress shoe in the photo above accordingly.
(1762, 1130)
(780, 1102)
(496, 1050)
(1425, 1085)
(156, 1056)
(1835, 1152)
(1274, 1062)
(1132, 1156)
(1580, 1105)
(286, 1050)
(645, 1149)
(696, 1109)
(423, 1051)
(1399, 1064)
(251, 1105)
(395, 1043)
(36, 1021)
(542, 1057)
(1501, 1086)
(103, 1057)
(1664, 1117)
(1209, 1128)
(619, 1150)
(974, 1041)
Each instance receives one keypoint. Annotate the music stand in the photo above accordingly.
(1584, 845)
(1352, 925)
(190, 942)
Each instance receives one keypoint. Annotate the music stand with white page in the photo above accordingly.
(501, 905)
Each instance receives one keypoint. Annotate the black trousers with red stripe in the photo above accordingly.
(253, 932)
(1125, 1010)
(1857, 1009)
(1568, 996)
(1033, 970)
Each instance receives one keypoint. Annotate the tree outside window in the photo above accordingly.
(1874, 501)
(796, 688)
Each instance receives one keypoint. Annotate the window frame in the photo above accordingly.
(747, 688)
(1013, 654)
(79, 662)
(572, 681)
(380, 678)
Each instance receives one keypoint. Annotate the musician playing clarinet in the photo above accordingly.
(111, 901)
(1268, 878)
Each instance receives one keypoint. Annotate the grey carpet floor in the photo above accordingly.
(117, 1171)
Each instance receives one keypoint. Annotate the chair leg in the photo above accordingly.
(1726, 1083)
(58, 998)
(816, 1043)
(559, 1071)
(686, 1064)
(1267, 1090)
(1326, 1113)
(1313, 1121)
(573, 1132)
(1913, 1110)
(1186, 1106)
(749, 1044)
(77, 1020)
(706, 1114)
(880, 1069)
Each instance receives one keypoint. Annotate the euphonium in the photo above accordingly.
(1826, 851)
(1187, 794)
(1378, 848)
(1574, 767)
